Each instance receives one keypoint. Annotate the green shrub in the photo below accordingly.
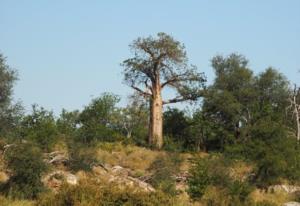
(215, 196)
(39, 127)
(265, 203)
(199, 178)
(97, 120)
(275, 154)
(213, 171)
(26, 165)
(81, 157)
(91, 193)
(297, 196)
(239, 191)
(171, 146)
(164, 169)
(11, 202)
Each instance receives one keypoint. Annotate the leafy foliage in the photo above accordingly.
(214, 171)
(96, 120)
(165, 58)
(92, 193)
(39, 127)
(10, 113)
(160, 62)
(81, 157)
(164, 169)
(26, 165)
(132, 121)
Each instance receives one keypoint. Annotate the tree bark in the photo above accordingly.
(298, 122)
(296, 111)
(156, 120)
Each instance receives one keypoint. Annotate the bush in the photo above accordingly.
(215, 196)
(265, 203)
(297, 196)
(81, 157)
(26, 165)
(171, 146)
(276, 156)
(213, 171)
(239, 191)
(40, 127)
(91, 193)
(10, 202)
(200, 179)
(97, 120)
(164, 169)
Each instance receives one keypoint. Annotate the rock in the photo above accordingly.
(131, 182)
(59, 159)
(182, 177)
(99, 170)
(120, 171)
(6, 147)
(284, 188)
(56, 157)
(3, 177)
(71, 179)
(55, 179)
(143, 185)
(291, 204)
(121, 176)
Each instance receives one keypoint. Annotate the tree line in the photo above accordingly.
(243, 115)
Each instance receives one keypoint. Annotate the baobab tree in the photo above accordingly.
(157, 63)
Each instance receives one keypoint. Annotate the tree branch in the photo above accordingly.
(179, 78)
(175, 79)
(175, 100)
(148, 86)
(168, 82)
(145, 93)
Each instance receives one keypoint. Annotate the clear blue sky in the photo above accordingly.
(67, 51)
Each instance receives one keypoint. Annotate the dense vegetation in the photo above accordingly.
(241, 117)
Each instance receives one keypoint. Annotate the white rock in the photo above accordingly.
(284, 188)
(291, 204)
(71, 179)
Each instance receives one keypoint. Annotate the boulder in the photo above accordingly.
(120, 171)
(3, 177)
(284, 188)
(121, 176)
(56, 157)
(291, 204)
(99, 170)
(55, 179)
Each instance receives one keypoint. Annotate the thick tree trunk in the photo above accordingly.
(156, 121)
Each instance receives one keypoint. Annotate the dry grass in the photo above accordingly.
(61, 145)
(187, 157)
(129, 156)
(8, 202)
(275, 198)
(240, 170)
(3, 176)
(183, 199)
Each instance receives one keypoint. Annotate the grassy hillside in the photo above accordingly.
(114, 163)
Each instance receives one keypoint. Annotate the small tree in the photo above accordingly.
(9, 113)
(96, 121)
(133, 119)
(158, 63)
(39, 127)
(294, 100)
(26, 165)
